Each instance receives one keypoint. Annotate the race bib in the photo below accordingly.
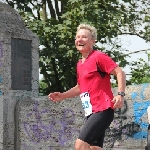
(85, 98)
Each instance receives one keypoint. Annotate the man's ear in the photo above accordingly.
(94, 41)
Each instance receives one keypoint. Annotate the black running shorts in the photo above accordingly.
(93, 131)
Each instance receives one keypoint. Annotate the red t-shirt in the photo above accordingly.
(93, 76)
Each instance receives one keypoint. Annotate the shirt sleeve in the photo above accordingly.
(105, 63)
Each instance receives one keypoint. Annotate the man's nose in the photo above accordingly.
(80, 39)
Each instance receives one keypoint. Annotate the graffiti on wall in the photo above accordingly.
(60, 129)
(133, 126)
(53, 129)
(121, 128)
(140, 109)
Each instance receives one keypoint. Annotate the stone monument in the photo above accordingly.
(19, 77)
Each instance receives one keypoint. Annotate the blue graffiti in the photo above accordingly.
(1, 79)
(135, 95)
(140, 108)
(1, 53)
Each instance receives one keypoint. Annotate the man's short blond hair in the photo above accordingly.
(92, 29)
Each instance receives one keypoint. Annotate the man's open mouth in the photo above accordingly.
(81, 44)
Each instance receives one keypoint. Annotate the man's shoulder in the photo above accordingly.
(99, 53)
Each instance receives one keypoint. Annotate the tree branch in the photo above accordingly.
(57, 9)
(136, 52)
(51, 8)
(129, 33)
(44, 10)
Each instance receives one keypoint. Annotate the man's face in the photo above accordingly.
(84, 41)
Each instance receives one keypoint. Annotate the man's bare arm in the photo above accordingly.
(75, 91)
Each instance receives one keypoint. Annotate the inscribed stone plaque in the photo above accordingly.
(21, 64)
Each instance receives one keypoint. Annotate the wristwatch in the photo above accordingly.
(121, 93)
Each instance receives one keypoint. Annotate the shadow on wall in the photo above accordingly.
(121, 128)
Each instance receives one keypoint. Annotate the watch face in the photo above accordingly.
(121, 93)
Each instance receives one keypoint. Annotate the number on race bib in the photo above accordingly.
(85, 104)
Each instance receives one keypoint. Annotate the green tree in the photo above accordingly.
(43, 86)
(140, 71)
(55, 23)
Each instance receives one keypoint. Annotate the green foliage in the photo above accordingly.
(43, 87)
(140, 71)
(56, 27)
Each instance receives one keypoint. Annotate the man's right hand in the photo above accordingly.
(56, 96)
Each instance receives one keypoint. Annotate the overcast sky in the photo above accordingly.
(134, 43)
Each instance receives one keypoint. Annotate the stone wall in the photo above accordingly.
(18, 64)
(55, 126)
